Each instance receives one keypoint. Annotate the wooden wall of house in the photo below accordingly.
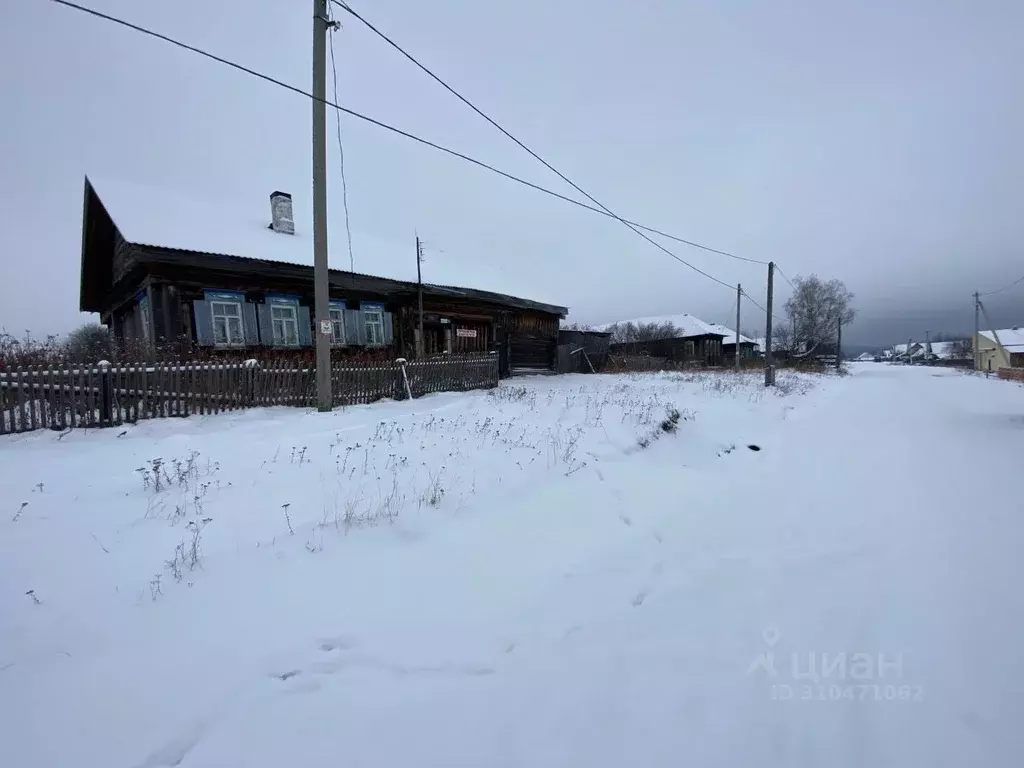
(699, 350)
(523, 338)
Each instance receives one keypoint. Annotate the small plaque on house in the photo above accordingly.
(466, 333)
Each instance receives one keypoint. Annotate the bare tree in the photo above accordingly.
(961, 349)
(814, 311)
(89, 343)
(624, 333)
(782, 338)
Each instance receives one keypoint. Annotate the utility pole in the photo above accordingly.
(739, 299)
(769, 378)
(927, 343)
(839, 344)
(321, 297)
(419, 291)
(977, 330)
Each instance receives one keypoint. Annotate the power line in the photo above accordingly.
(1004, 288)
(406, 134)
(765, 311)
(779, 270)
(341, 152)
(523, 146)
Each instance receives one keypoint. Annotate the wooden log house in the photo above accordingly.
(163, 269)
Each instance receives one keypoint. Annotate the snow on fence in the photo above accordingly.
(104, 395)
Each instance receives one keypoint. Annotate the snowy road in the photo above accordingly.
(849, 595)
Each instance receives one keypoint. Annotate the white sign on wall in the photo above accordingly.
(466, 333)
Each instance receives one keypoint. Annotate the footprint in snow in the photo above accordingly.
(639, 599)
(173, 752)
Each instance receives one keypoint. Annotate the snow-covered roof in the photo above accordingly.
(943, 350)
(196, 221)
(730, 334)
(688, 325)
(1010, 338)
(866, 356)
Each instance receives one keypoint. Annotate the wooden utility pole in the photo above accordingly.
(977, 330)
(419, 292)
(769, 377)
(839, 344)
(739, 299)
(321, 298)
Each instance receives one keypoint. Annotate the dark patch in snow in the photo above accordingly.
(287, 675)
(174, 751)
(754, 447)
(338, 643)
(639, 599)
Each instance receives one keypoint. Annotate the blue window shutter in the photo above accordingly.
(355, 330)
(250, 325)
(266, 326)
(388, 329)
(305, 327)
(204, 322)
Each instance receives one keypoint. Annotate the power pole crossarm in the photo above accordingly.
(321, 298)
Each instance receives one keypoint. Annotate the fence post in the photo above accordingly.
(405, 378)
(249, 382)
(106, 412)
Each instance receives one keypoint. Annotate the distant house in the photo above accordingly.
(931, 353)
(748, 347)
(999, 349)
(694, 342)
(866, 357)
(163, 268)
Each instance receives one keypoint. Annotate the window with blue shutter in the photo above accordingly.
(285, 321)
(220, 319)
(356, 331)
(305, 327)
(373, 323)
(337, 314)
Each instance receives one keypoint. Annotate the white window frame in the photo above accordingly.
(226, 317)
(373, 318)
(337, 315)
(280, 339)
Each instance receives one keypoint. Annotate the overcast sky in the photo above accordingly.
(877, 142)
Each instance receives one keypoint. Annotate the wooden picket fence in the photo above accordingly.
(90, 396)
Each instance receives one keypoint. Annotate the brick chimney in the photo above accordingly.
(281, 213)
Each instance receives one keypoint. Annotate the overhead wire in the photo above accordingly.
(387, 127)
(348, 9)
(341, 153)
(1004, 288)
(779, 270)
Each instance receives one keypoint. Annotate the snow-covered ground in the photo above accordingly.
(541, 575)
